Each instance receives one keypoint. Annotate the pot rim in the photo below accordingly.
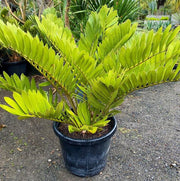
(86, 141)
(13, 63)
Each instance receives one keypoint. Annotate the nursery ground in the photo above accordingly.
(146, 146)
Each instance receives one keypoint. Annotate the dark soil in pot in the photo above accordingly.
(86, 157)
(63, 128)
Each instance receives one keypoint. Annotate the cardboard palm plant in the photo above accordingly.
(92, 76)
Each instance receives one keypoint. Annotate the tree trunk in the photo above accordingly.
(67, 14)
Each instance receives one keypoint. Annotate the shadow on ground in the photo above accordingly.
(145, 147)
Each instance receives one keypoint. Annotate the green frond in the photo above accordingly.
(97, 27)
(59, 35)
(17, 84)
(150, 61)
(148, 47)
(33, 104)
(82, 121)
(146, 78)
(44, 59)
(108, 19)
(89, 40)
(103, 92)
(83, 66)
(83, 116)
(115, 38)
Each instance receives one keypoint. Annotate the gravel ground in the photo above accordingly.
(146, 146)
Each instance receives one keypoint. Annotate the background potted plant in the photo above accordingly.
(22, 14)
(11, 62)
(90, 78)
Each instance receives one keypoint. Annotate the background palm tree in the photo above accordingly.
(80, 10)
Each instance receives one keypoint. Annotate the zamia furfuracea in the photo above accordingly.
(91, 76)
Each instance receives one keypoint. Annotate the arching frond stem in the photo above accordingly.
(145, 60)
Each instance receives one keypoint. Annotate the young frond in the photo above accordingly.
(97, 27)
(102, 92)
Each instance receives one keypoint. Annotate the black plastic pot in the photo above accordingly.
(85, 157)
(0, 69)
(15, 67)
